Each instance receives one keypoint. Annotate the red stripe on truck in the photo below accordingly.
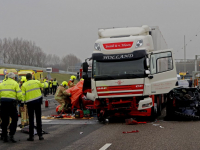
(114, 94)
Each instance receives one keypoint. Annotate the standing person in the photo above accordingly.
(9, 94)
(190, 82)
(45, 79)
(33, 98)
(46, 87)
(23, 110)
(71, 81)
(55, 84)
(50, 86)
(78, 76)
(47, 90)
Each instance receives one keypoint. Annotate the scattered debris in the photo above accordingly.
(134, 131)
(156, 124)
(64, 116)
(161, 127)
(132, 121)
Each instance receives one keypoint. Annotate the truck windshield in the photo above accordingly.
(118, 69)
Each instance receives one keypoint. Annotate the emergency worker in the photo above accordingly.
(61, 96)
(55, 84)
(46, 87)
(45, 79)
(23, 79)
(71, 81)
(23, 110)
(9, 94)
(51, 86)
(32, 96)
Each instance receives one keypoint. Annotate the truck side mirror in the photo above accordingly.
(147, 62)
(85, 67)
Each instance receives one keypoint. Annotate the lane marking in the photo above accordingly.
(105, 146)
(48, 99)
(46, 120)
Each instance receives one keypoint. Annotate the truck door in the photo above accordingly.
(163, 72)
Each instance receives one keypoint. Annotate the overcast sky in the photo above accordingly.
(70, 26)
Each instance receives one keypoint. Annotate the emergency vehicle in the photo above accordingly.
(4, 72)
(132, 71)
(37, 74)
(185, 76)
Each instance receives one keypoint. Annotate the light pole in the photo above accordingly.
(184, 55)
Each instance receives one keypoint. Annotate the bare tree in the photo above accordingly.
(23, 52)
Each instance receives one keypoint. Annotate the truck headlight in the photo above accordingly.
(97, 46)
(139, 43)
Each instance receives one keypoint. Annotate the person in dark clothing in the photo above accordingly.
(190, 82)
(33, 99)
(55, 85)
(9, 93)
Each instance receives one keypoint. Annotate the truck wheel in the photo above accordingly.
(159, 105)
(100, 116)
(153, 113)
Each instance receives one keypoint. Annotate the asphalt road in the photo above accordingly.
(91, 135)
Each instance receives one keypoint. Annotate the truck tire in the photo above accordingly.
(100, 116)
(153, 113)
(159, 104)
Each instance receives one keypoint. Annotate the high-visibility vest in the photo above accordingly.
(31, 90)
(55, 83)
(46, 85)
(50, 84)
(10, 91)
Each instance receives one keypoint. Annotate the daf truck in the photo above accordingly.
(132, 71)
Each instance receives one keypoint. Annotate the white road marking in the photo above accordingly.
(105, 146)
(44, 99)
(46, 120)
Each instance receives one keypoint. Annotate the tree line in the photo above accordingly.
(23, 52)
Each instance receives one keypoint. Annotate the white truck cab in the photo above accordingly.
(131, 66)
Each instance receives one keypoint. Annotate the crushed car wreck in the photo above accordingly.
(183, 104)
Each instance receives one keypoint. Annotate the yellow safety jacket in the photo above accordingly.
(46, 85)
(45, 80)
(55, 83)
(50, 84)
(31, 90)
(10, 91)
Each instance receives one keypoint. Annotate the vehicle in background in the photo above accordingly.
(185, 76)
(132, 72)
(36, 74)
(4, 72)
